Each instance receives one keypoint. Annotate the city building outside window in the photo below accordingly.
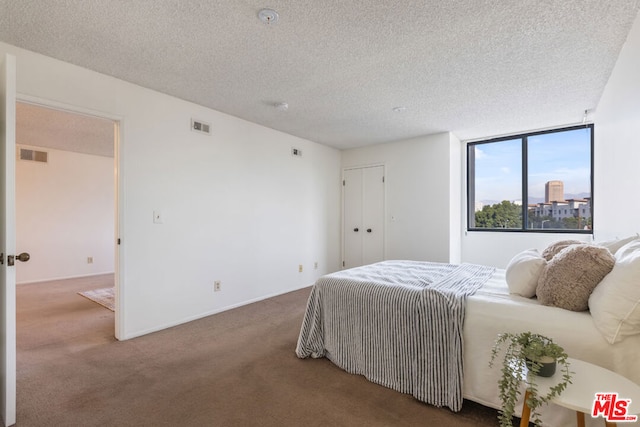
(536, 182)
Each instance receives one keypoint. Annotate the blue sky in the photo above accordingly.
(563, 156)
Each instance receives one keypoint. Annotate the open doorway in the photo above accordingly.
(65, 195)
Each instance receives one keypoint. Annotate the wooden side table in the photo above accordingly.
(587, 380)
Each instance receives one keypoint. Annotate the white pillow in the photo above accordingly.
(615, 302)
(523, 272)
(615, 244)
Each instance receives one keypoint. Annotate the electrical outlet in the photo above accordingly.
(217, 286)
(300, 268)
(89, 260)
(315, 265)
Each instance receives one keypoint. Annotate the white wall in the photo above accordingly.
(616, 171)
(497, 249)
(420, 173)
(617, 156)
(64, 214)
(237, 206)
(456, 191)
(426, 205)
(423, 196)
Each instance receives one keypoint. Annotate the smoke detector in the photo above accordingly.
(268, 16)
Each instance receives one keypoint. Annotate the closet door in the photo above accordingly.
(363, 216)
(352, 218)
(372, 214)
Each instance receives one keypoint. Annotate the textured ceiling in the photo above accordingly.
(477, 68)
(45, 127)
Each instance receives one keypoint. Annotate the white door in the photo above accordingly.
(373, 214)
(352, 218)
(7, 240)
(363, 216)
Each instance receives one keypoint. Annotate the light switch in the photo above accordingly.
(157, 217)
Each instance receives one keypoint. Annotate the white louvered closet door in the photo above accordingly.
(363, 216)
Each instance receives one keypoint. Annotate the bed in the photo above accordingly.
(493, 310)
(348, 321)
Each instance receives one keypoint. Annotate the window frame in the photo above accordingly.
(525, 181)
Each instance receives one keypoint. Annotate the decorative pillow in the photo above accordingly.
(614, 245)
(554, 248)
(524, 271)
(569, 278)
(615, 302)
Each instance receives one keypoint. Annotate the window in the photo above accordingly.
(537, 182)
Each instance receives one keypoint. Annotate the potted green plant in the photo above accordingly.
(525, 355)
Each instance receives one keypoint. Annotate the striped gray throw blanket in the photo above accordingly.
(398, 323)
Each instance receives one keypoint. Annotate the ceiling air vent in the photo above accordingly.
(33, 155)
(200, 126)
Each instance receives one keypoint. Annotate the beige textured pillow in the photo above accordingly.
(556, 247)
(569, 278)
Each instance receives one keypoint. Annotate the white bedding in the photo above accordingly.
(492, 310)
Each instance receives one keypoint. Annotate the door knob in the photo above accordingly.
(23, 257)
(356, 229)
(368, 230)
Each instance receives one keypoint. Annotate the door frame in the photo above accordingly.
(8, 365)
(384, 209)
(119, 324)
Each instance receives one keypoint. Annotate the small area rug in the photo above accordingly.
(103, 296)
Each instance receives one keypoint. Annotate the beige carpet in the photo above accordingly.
(236, 368)
(103, 296)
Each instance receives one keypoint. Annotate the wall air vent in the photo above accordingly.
(200, 126)
(33, 155)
